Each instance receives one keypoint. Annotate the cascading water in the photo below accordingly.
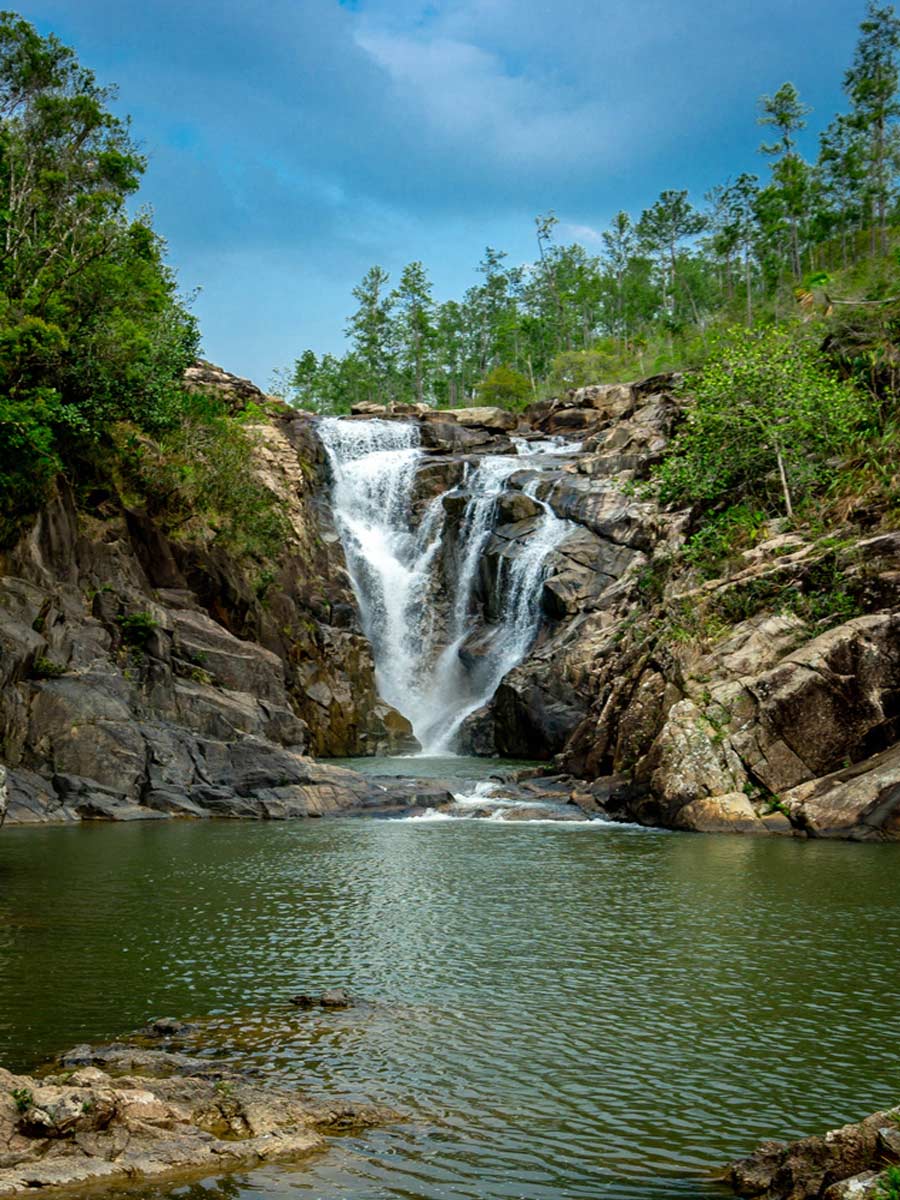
(394, 566)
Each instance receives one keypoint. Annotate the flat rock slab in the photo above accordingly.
(89, 1125)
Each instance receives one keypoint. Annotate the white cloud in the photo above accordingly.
(580, 233)
(472, 102)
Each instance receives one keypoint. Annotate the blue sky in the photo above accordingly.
(294, 143)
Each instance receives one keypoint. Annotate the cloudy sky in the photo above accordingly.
(294, 143)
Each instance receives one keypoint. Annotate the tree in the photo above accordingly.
(871, 84)
(620, 244)
(504, 387)
(787, 113)
(767, 419)
(661, 229)
(370, 328)
(66, 165)
(412, 307)
(739, 200)
(544, 227)
(92, 330)
(843, 175)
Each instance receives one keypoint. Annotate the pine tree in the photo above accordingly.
(369, 329)
(413, 308)
(871, 84)
(787, 113)
(661, 230)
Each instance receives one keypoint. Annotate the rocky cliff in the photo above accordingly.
(146, 675)
(145, 672)
(763, 701)
(766, 700)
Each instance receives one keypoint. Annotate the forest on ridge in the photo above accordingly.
(783, 239)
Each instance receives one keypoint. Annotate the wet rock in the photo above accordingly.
(516, 506)
(536, 812)
(168, 1027)
(94, 1125)
(333, 998)
(820, 1166)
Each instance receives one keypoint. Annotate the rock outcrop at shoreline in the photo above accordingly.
(859, 1161)
(152, 1114)
(143, 675)
(764, 701)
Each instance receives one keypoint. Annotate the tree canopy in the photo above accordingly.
(92, 329)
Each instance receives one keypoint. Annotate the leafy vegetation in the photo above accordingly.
(137, 629)
(94, 337)
(766, 418)
(196, 476)
(46, 668)
(889, 1185)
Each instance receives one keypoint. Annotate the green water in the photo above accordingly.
(559, 1011)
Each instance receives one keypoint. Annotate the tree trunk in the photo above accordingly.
(789, 508)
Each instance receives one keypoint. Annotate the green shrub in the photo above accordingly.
(722, 536)
(767, 420)
(45, 668)
(579, 368)
(137, 629)
(198, 477)
(504, 388)
(889, 1185)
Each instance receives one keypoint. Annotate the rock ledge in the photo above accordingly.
(89, 1125)
(850, 1163)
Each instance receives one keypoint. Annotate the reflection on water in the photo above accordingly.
(598, 1013)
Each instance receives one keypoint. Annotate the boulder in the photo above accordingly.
(730, 813)
(498, 419)
(332, 998)
(811, 1167)
(861, 802)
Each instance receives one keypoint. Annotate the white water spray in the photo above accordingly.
(394, 567)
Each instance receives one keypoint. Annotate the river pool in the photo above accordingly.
(571, 1010)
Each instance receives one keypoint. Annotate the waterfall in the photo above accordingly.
(394, 560)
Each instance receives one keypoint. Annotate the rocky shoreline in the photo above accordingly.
(143, 676)
(121, 1112)
(859, 1161)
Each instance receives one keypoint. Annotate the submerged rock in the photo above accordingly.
(166, 1027)
(333, 998)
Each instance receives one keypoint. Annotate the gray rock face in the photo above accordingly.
(769, 723)
(143, 677)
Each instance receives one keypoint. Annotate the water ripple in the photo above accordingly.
(610, 1015)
